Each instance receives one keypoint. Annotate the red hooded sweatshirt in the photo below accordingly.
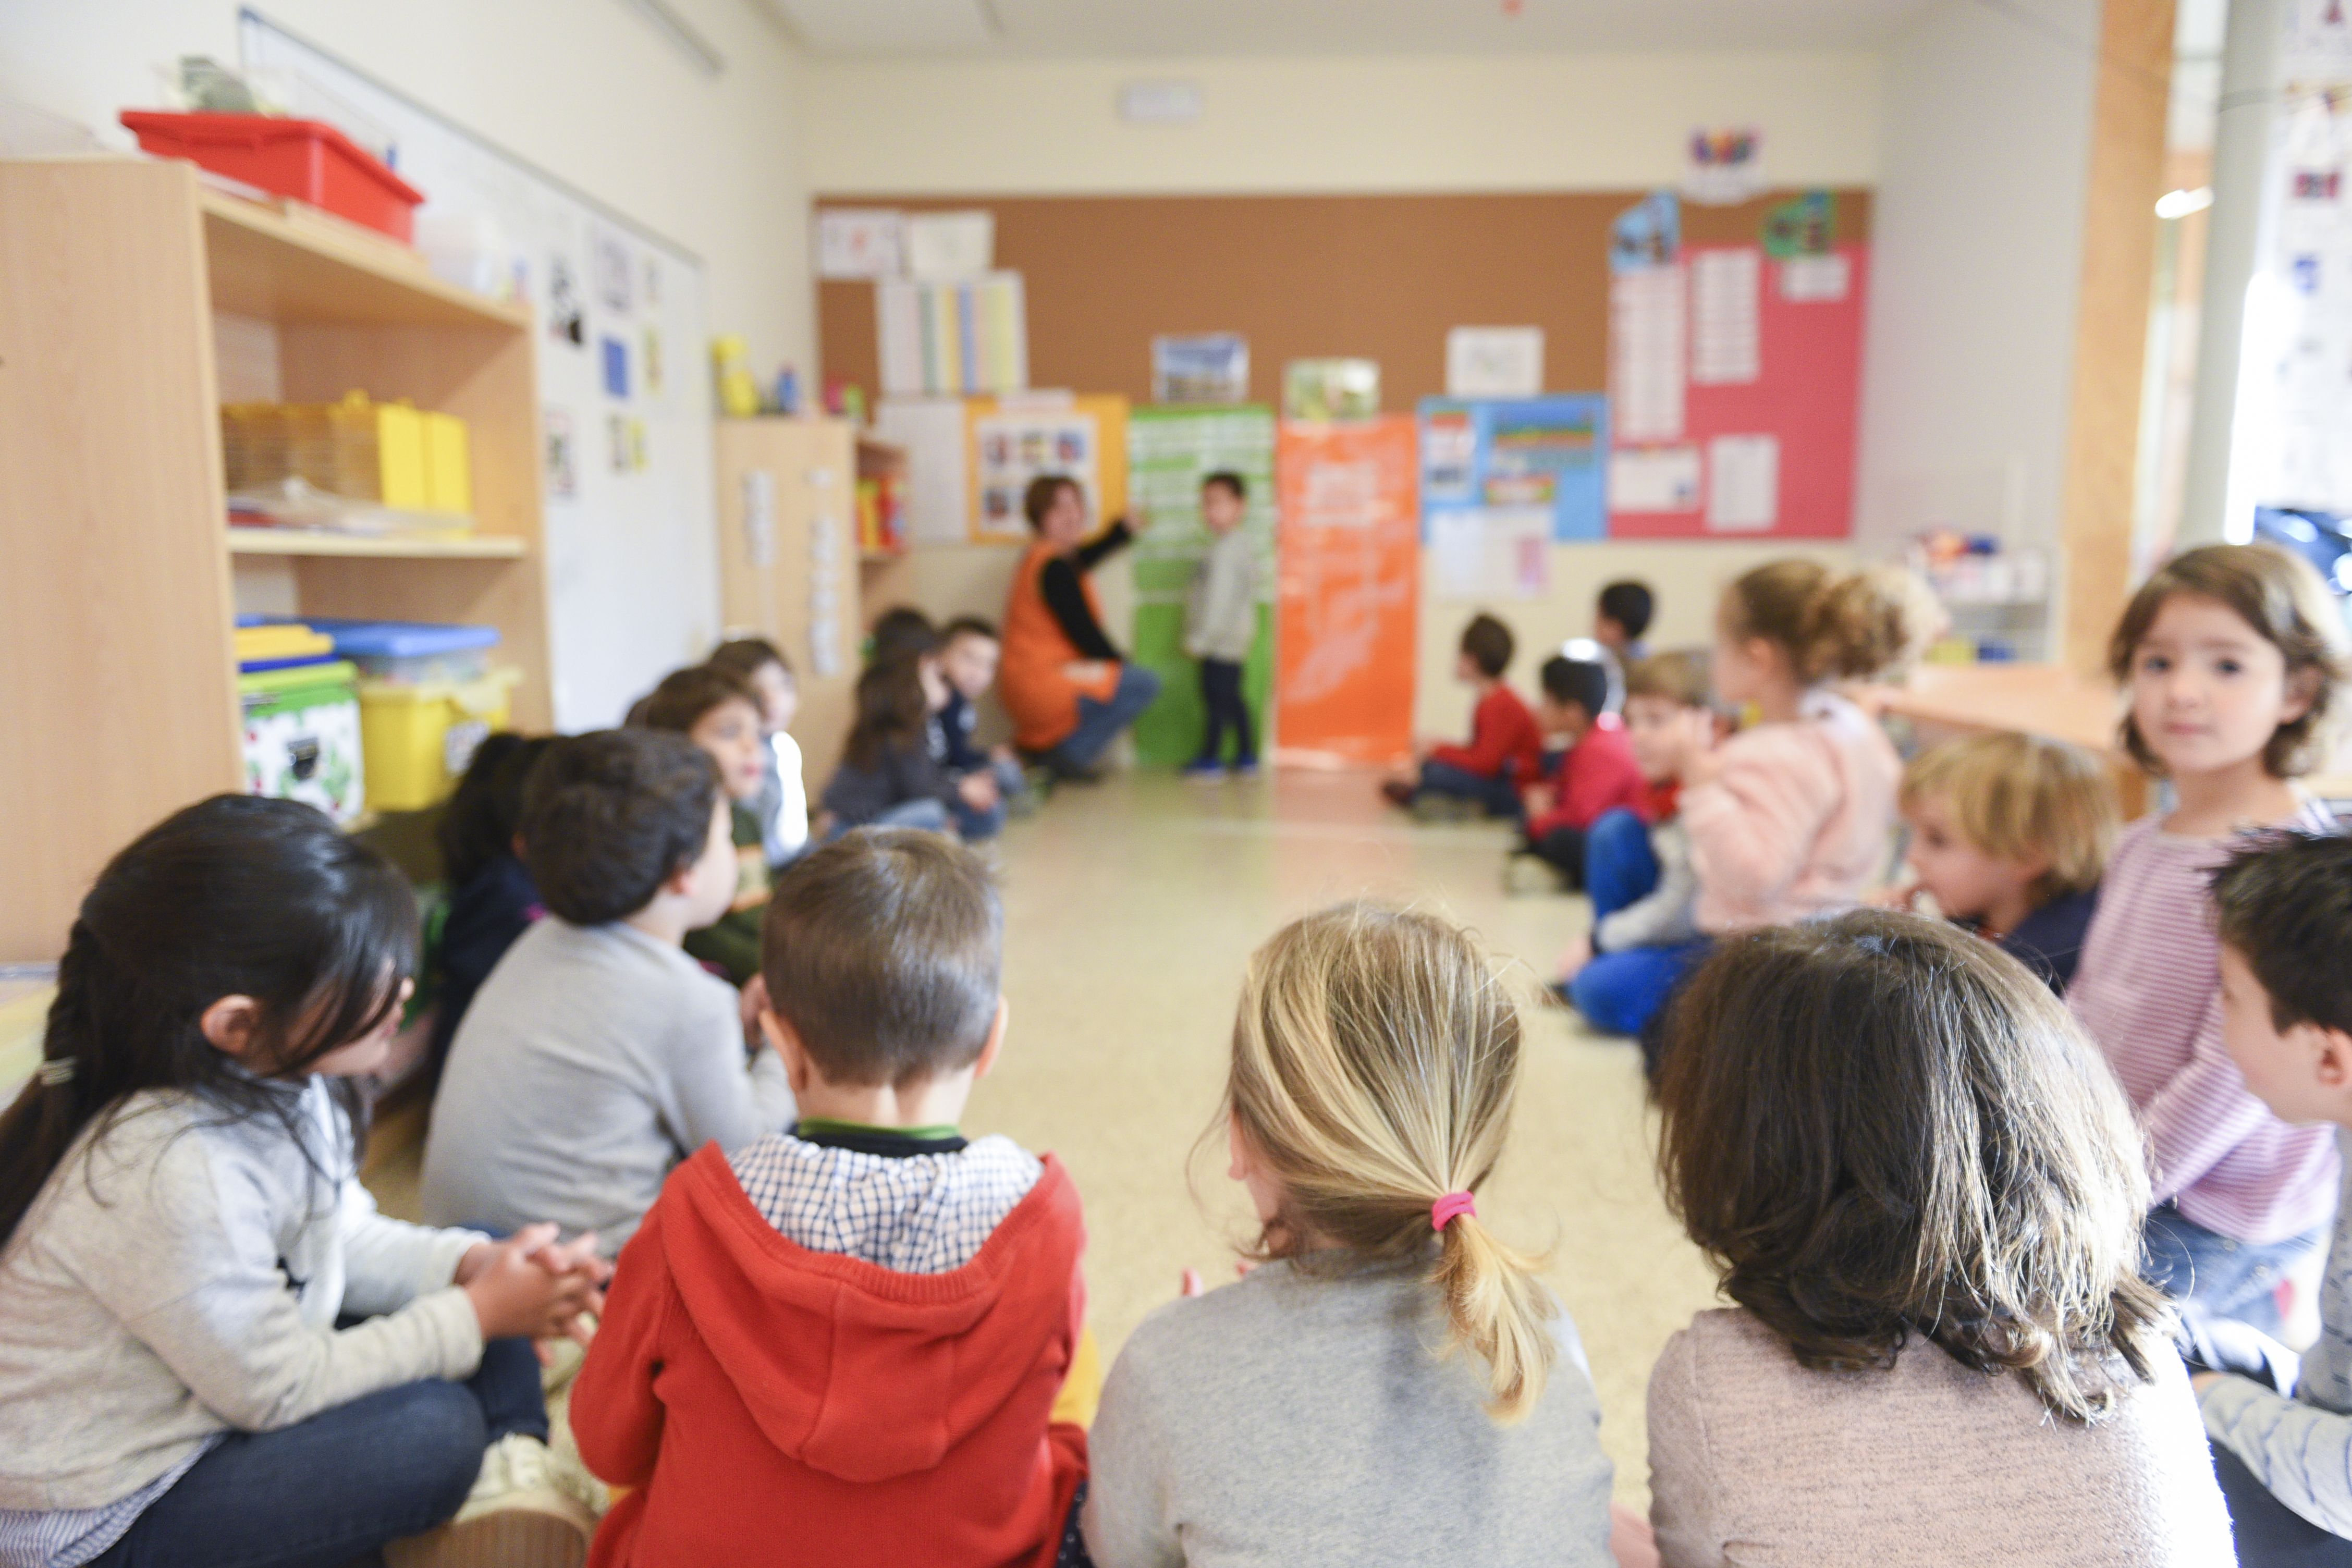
(769, 1404)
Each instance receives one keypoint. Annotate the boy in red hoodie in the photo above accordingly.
(1506, 751)
(844, 1343)
(1596, 774)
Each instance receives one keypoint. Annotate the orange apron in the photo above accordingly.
(1037, 692)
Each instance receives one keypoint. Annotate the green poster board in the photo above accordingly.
(1168, 451)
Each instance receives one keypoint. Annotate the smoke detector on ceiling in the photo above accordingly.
(1160, 102)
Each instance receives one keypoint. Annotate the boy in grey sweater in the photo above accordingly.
(1221, 625)
(598, 1055)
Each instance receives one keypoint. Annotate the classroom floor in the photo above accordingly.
(1130, 909)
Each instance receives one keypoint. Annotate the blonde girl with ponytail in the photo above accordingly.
(1790, 818)
(1392, 1384)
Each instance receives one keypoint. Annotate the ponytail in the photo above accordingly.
(1375, 1063)
(233, 896)
(1828, 625)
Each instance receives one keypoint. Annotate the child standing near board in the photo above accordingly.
(1220, 624)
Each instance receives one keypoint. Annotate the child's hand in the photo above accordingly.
(514, 1291)
(1572, 962)
(1902, 896)
(1003, 754)
(978, 790)
(1536, 799)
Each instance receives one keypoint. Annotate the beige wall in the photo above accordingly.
(585, 89)
(1467, 124)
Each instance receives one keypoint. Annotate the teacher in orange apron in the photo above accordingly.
(1065, 685)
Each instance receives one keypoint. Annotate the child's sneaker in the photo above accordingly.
(1205, 770)
(1396, 792)
(527, 1511)
(1246, 769)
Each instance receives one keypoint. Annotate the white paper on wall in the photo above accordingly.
(1654, 478)
(1743, 483)
(944, 246)
(1723, 346)
(860, 242)
(1494, 361)
(1646, 341)
(1491, 552)
(1813, 280)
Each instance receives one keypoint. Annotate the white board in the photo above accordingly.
(632, 556)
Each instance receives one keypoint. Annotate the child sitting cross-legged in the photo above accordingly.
(844, 1343)
(2282, 1435)
(1637, 863)
(2009, 834)
(1506, 751)
(782, 804)
(890, 774)
(599, 1053)
(214, 1352)
(1595, 774)
(1393, 1383)
(970, 652)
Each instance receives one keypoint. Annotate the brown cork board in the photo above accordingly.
(1376, 277)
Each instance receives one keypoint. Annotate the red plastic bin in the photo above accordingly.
(306, 159)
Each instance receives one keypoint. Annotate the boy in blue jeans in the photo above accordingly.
(1221, 625)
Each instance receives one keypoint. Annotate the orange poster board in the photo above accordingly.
(1348, 568)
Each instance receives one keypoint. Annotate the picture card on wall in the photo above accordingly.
(860, 242)
(1330, 389)
(1203, 368)
(617, 368)
(1494, 361)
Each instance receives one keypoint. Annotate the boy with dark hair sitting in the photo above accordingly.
(844, 1343)
(1619, 621)
(1595, 773)
(1505, 752)
(598, 1055)
(2284, 1462)
(969, 650)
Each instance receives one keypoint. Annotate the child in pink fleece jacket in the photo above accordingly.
(1790, 817)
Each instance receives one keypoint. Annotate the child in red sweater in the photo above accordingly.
(1505, 750)
(846, 1343)
(1596, 774)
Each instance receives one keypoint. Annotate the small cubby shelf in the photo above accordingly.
(135, 298)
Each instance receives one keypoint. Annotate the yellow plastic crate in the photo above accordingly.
(448, 464)
(416, 739)
(389, 452)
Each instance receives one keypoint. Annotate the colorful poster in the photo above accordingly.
(1518, 453)
(1489, 553)
(1348, 548)
(1735, 382)
(943, 338)
(1208, 367)
(1009, 442)
(1168, 450)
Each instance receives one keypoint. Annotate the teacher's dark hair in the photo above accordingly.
(1039, 498)
(1879, 1127)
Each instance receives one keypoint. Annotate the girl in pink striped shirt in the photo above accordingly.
(2231, 656)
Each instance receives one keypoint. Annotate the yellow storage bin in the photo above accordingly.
(415, 459)
(415, 738)
(448, 464)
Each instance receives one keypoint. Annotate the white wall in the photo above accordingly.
(1977, 261)
(1467, 123)
(585, 89)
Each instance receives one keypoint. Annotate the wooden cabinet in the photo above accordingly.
(130, 294)
(788, 565)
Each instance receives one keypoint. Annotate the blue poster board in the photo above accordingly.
(1550, 451)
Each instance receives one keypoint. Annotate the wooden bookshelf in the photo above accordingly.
(122, 282)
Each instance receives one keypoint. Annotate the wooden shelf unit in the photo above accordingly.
(129, 293)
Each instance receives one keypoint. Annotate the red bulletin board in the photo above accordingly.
(1347, 575)
(1806, 395)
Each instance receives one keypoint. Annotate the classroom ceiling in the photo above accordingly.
(1128, 28)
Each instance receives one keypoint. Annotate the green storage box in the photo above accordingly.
(302, 737)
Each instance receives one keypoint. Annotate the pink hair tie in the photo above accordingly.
(1449, 1207)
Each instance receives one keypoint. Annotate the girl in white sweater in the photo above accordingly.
(182, 1234)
